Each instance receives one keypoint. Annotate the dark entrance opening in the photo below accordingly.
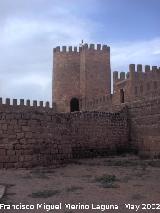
(121, 95)
(74, 105)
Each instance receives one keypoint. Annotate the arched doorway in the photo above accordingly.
(74, 105)
(121, 95)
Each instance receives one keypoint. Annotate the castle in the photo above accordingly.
(82, 80)
(85, 119)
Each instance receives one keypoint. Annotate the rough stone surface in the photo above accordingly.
(2, 191)
(144, 119)
(136, 84)
(32, 136)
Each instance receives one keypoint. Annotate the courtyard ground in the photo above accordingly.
(91, 182)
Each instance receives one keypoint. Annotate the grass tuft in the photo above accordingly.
(44, 194)
(108, 181)
(73, 188)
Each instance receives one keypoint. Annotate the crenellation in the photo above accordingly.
(14, 102)
(108, 49)
(98, 46)
(122, 75)
(54, 50)
(75, 49)
(64, 49)
(92, 47)
(7, 101)
(139, 68)
(127, 75)
(85, 46)
(21, 102)
(154, 68)
(132, 68)
(47, 104)
(58, 49)
(1, 101)
(70, 48)
(41, 103)
(104, 47)
(115, 76)
(23, 105)
(28, 103)
(147, 68)
(34, 103)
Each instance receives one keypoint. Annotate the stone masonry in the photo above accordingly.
(38, 136)
(136, 85)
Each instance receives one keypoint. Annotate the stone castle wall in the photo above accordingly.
(100, 104)
(144, 120)
(37, 136)
(136, 84)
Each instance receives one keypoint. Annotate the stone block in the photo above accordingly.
(20, 135)
(2, 152)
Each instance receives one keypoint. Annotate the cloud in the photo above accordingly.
(29, 31)
(139, 52)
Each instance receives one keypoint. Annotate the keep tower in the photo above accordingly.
(80, 75)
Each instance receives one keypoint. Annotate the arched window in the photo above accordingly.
(74, 105)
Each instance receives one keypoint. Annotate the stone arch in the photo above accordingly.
(74, 105)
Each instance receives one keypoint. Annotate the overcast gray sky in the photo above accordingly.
(30, 29)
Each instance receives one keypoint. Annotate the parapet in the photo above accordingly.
(136, 71)
(140, 68)
(22, 102)
(119, 77)
(65, 49)
(69, 49)
(96, 47)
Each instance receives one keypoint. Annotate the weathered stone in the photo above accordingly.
(2, 191)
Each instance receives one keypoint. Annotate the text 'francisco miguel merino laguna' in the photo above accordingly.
(59, 206)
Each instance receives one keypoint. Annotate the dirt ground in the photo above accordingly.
(98, 185)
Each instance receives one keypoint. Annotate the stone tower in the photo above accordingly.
(80, 75)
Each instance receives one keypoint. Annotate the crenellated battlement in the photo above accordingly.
(67, 49)
(74, 49)
(147, 68)
(96, 47)
(136, 71)
(120, 76)
(25, 103)
(142, 72)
